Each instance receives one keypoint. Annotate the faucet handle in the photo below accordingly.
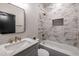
(34, 38)
(10, 40)
(17, 38)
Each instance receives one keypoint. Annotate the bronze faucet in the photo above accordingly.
(15, 39)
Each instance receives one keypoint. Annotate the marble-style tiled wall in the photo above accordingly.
(67, 33)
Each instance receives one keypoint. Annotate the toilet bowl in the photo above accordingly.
(43, 52)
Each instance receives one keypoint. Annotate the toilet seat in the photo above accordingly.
(43, 52)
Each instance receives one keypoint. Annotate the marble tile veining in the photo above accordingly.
(69, 32)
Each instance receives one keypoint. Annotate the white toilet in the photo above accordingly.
(43, 52)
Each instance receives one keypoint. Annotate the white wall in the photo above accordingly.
(32, 15)
(31, 22)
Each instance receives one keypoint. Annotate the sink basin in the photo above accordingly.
(10, 49)
(17, 45)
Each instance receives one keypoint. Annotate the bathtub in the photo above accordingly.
(59, 49)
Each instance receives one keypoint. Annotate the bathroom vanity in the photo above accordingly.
(30, 51)
(25, 47)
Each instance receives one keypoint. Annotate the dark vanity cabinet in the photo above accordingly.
(30, 51)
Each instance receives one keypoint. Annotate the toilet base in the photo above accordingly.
(43, 52)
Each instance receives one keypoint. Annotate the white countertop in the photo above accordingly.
(17, 47)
